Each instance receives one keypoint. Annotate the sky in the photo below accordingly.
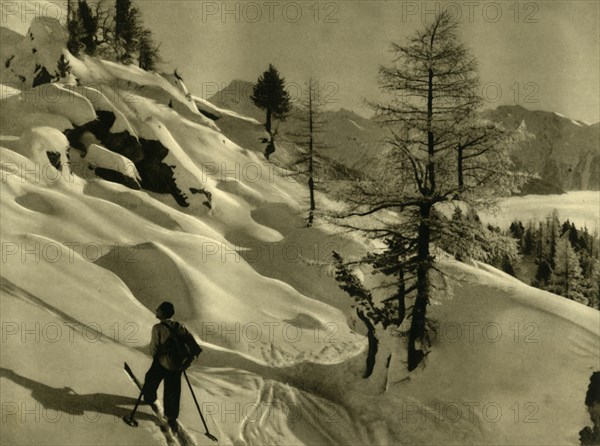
(541, 55)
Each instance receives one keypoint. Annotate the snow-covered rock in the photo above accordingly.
(52, 105)
(33, 60)
(48, 149)
(66, 102)
(101, 102)
(98, 156)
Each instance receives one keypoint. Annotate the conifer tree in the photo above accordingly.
(75, 30)
(149, 54)
(553, 234)
(594, 285)
(308, 138)
(566, 276)
(517, 230)
(89, 24)
(433, 83)
(269, 94)
(529, 240)
(127, 30)
(543, 274)
(466, 238)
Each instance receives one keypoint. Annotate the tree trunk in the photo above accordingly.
(417, 327)
(270, 148)
(311, 181)
(430, 138)
(373, 343)
(268, 124)
(460, 168)
(401, 298)
(311, 212)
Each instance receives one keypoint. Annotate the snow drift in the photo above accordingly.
(215, 229)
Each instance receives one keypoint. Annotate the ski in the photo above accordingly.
(181, 436)
(164, 426)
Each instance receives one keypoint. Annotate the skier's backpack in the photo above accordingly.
(180, 350)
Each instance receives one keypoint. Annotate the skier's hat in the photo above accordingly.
(166, 309)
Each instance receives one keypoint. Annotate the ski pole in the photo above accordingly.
(129, 419)
(207, 433)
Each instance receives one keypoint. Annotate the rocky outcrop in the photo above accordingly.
(147, 155)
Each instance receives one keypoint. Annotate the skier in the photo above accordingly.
(169, 361)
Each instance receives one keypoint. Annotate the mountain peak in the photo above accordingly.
(563, 152)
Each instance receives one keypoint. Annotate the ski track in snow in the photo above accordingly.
(181, 438)
(244, 423)
(282, 411)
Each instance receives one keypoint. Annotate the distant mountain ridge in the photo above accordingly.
(565, 153)
(350, 138)
(236, 97)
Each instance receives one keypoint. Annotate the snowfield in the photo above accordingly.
(86, 261)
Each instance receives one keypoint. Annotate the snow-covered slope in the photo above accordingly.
(507, 362)
(200, 159)
(220, 233)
